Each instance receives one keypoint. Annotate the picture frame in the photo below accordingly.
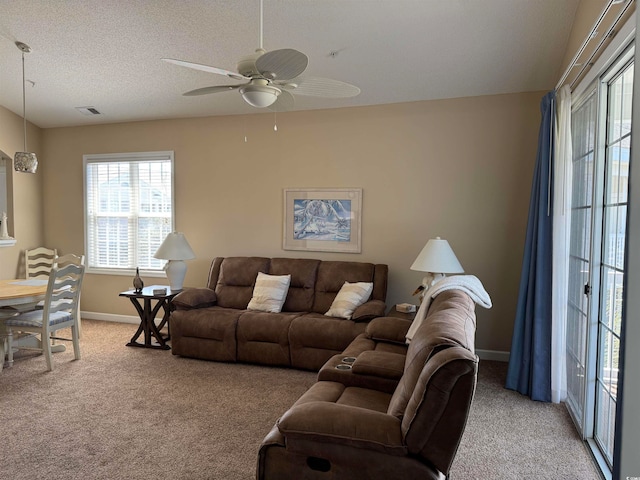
(323, 219)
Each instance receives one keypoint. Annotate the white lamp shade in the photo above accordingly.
(437, 257)
(175, 247)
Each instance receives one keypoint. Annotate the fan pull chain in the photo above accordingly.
(275, 121)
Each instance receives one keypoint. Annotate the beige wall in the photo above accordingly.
(25, 225)
(586, 15)
(456, 168)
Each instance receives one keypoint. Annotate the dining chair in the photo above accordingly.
(60, 311)
(71, 259)
(38, 262)
(60, 260)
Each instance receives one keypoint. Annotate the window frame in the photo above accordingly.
(131, 157)
(608, 71)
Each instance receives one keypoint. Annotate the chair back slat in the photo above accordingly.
(39, 261)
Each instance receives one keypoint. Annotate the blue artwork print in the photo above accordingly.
(325, 220)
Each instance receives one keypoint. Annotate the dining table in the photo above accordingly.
(20, 295)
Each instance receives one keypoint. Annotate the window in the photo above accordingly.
(128, 210)
(601, 133)
(613, 236)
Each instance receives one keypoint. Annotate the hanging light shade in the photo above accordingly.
(24, 161)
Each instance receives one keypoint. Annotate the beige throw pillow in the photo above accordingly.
(269, 292)
(350, 297)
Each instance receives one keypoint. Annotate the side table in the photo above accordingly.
(142, 302)
(407, 316)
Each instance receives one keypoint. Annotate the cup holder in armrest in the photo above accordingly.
(343, 366)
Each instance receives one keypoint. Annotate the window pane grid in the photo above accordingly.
(583, 135)
(614, 210)
(129, 210)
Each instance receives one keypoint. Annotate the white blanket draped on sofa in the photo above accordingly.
(469, 284)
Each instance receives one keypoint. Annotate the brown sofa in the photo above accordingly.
(213, 322)
(353, 427)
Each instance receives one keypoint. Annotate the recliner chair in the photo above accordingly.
(350, 432)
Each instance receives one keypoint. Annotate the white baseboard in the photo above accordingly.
(110, 317)
(493, 355)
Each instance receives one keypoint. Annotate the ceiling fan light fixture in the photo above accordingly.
(260, 96)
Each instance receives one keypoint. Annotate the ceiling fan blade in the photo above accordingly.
(282, 64)
(284, 103)
(213, 89)
(322, 87)
(206, 68)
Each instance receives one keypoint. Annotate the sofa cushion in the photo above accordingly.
(193, 333)
(303, 280)
(353, 396)
(331, 412)
(331, 277)
(236, 279)
(314, 338)
(263, 337)
(194, 298)
(350, 297)
(269, 292)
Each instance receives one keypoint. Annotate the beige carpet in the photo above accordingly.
(129, 413)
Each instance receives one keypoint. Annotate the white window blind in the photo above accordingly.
(128, 210)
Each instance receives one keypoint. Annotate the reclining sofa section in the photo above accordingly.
(351, 426)
(213, 323)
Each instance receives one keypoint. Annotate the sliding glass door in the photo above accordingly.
(614, 222)
(583, 126)
(601, 130)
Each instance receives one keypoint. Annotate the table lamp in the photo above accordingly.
(176, 249)
(436, 258)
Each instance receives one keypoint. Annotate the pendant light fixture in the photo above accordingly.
(24, 161)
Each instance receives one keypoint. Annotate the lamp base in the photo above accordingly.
(428, 281)
(176, 271)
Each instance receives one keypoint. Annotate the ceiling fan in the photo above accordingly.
(271, 78)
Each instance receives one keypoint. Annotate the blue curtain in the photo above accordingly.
(530, 361)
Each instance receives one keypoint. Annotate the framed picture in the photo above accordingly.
(322, 219)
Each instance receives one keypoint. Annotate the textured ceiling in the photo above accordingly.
(106, 53)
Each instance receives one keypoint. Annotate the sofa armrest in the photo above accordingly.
(191, 298)
(388, 329)
(328, 422)
(379, 364)
(368, 311)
